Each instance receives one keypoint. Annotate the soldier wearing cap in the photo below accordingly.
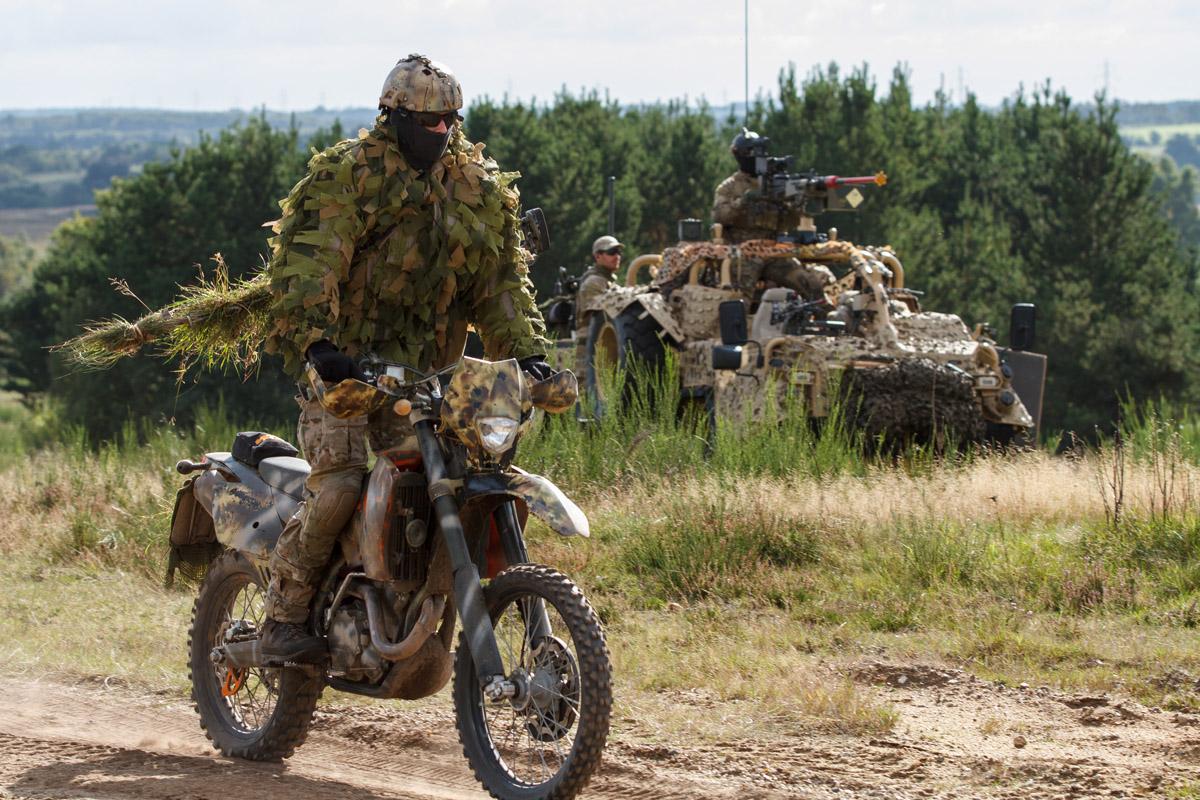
(606, 255)
(374, 254)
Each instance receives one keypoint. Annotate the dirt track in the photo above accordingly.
(957, 737)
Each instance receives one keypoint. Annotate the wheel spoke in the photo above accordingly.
(251, 706)
(534, 744)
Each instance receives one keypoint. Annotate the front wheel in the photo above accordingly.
(546, 741)
(629, 345)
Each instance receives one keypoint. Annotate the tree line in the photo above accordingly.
(1037, 201)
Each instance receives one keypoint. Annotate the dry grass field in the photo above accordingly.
(740, 602)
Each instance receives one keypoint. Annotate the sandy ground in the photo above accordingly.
(956, 737)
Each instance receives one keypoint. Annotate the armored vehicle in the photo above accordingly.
(902, 374)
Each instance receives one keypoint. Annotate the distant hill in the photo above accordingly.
(54, 158)
(1177, 112)
(97, 127)
(77, 128)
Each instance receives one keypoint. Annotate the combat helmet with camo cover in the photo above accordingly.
(417, 83)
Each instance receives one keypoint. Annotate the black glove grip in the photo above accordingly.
(537, 367)
(332, 364)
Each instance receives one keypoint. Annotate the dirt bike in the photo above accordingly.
(531, 675)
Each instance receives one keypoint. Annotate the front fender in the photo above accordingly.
(543, 498)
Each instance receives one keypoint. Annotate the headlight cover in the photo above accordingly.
(497, 433)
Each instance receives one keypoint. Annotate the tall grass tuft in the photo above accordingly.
(104, 506)
(649, 431)
(716, 552)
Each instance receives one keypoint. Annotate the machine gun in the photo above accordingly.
(805, 317)
(559, 310)
(812, 193)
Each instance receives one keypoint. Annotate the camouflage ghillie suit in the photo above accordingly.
(744, 214)
(378, 257)
(593, 283)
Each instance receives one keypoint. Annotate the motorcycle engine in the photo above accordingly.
(350, 651)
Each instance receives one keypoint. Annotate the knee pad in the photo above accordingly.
(331, 501)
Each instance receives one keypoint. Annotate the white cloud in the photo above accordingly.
(222, 53)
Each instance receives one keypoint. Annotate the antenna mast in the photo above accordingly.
(746, 40)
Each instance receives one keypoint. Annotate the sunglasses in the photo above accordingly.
(612, 251)
(430, 119)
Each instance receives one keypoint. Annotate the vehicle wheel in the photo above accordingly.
(258, 714)
(916, 401)
(629, 344)
(546, 742)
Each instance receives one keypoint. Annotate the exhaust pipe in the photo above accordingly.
(425, 626)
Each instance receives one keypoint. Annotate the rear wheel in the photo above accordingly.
(546, 741)
(261, 714)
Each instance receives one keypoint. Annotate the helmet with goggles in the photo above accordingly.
(421, 99)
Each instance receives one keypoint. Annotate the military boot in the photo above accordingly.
(287, 641)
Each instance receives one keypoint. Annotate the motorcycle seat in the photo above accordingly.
(285, 473)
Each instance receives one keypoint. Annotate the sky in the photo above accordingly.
(221, 54)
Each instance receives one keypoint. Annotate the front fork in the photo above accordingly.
(468, 592)
(537, 621)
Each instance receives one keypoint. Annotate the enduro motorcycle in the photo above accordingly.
(531, 676)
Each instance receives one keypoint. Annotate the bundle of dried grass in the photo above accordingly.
(214, 323)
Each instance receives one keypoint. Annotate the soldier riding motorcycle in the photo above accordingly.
(532, 681)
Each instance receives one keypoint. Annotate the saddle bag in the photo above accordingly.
(193, 540)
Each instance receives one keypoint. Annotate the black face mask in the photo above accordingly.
(746, 164)
(420, 146)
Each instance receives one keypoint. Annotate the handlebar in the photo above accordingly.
(353, 397)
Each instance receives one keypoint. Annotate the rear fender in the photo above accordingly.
(542, 498)
(616, 300)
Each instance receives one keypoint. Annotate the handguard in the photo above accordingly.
(345, 399)
(556, 394)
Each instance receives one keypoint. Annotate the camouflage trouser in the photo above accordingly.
(337, 451)
(581, 359)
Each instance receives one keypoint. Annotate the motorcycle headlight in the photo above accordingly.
(497, 433)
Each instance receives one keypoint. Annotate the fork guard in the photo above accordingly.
(545, 500)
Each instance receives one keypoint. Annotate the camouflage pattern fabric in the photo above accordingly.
(418, 83)
(593, 284)
(744, 214)
(781, 263)
(380, 258)
(336, 449)
(807, 280)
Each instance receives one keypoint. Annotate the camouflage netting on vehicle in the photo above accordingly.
(679, 262)
(912, 400)
(370, 254)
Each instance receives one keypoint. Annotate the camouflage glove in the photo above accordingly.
(537, 367)
(332, 364)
